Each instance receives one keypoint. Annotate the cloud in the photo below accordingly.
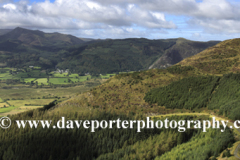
(122, 17)
(83, 14)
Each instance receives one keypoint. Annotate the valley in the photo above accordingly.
(110, 79)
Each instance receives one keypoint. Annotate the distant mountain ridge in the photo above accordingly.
(22, 47)
(39, 38)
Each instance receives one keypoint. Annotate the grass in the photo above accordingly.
(60, 75)
(32, 73)
(7, 109)
(107, 76)
(4, 76)
(41, 80)
(58, 80)
(29, 80)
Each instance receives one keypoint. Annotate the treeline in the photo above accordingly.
(221, 93)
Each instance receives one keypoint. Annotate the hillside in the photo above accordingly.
(189, 89)
(124, 94)
(219, 59)
(182, 49)
(22, 48)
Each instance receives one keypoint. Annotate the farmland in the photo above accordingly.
(31, 88)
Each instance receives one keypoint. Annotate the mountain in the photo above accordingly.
(39, 38)
(4, 31)
(130, 54)
(182, 49)
(22, 48)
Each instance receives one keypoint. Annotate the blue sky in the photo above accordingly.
(200, 20)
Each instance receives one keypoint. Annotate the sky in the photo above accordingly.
(200, 20)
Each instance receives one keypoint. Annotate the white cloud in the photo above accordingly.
(122, 17)
(9, 6)
(86, 12)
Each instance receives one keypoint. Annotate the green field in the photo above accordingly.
(59, 74)
(30, 88)
(58, 80)
(7, 109)
(6, 76)
(107, 76)
(28, 80)
(41, 81)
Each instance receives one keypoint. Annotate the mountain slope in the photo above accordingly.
(182, 49)
(23, 48)
(219, 59)
(130, 54)
(126, 92)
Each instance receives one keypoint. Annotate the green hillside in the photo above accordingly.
(219, 59)
(221, 93)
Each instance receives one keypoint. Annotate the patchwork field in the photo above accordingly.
(36, 75)
(19, 98)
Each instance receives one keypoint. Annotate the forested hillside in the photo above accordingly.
(210, 92)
